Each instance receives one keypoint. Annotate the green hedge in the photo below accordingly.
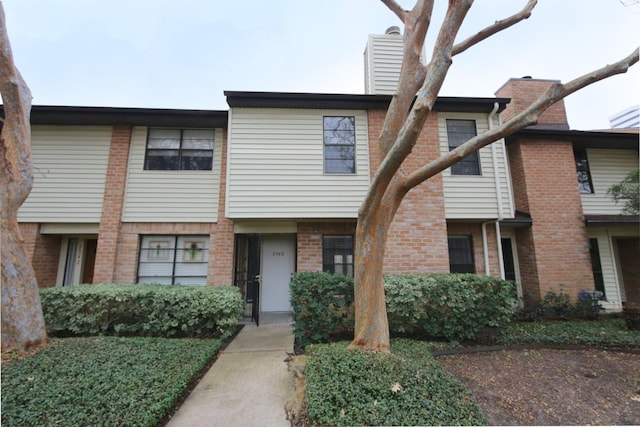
(407, 387)
(322, 306)
(141, 310)
(442, 306)
(449, 306)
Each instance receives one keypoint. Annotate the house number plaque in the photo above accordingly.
(278, 253)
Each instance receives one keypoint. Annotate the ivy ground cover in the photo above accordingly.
(101, 381)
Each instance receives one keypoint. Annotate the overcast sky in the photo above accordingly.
(184, 54)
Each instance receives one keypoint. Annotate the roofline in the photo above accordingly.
(244, 99)
(97, 116)
(585, 139)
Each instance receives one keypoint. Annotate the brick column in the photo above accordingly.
(112, 204)
(554, 252)
(221, 243)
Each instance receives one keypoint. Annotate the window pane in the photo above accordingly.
(340, 123)
(467, 166)
(338, 137)
(196, 160)
(339, 152)
(339, 166)
(162, 160)
(197, 139)
(164, 138)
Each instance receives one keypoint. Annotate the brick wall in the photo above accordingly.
(523, 92)
(112, 203)
(554, 252)
(44, 253)
(309, 256)
(417, 239)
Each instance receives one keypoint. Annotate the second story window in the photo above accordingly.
(339, 138)
(179, 149)
(582, 168)
(459, 132)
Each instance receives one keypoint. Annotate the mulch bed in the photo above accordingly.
(551, 386)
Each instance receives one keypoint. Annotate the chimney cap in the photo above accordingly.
(393, 30)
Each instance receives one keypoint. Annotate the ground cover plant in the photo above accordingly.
(406, 387)
(607, 332)
(409, 386)
(101, 380)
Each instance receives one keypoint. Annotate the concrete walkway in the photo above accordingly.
(249, 383)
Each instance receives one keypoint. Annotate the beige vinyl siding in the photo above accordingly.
(70, 165)
(275, 166)
(608, 167)
(475, 196)
(170, 196)
(383, 60)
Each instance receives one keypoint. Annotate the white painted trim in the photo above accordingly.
(89, 228)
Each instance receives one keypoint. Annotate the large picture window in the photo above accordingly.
(179, 149)
(337, 255)
(173, 260)
(461, 254)
(339, 137)
(459, 132)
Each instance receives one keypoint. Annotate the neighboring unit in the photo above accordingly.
(249, 196)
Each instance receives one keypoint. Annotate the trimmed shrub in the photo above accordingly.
(443, 306)
(322, 307)
(407, 387)
(450, 306)
(141, 310)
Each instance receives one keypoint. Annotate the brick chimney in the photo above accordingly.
(523, 92)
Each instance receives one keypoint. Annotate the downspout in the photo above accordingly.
(496, 174)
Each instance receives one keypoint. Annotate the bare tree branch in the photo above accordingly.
(396, 8)
(495, 28)
(526, 118)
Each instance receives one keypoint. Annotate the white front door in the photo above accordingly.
(278, 264)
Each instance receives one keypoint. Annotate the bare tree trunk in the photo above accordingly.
(22, 319)
(371, 324)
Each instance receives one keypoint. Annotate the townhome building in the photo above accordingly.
(272, 186)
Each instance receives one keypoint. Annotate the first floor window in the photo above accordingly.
(339, 138)
(461, 254)
(337, 255)
(596, 266)
(179, 149)
(459, 132)
(173, 260)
